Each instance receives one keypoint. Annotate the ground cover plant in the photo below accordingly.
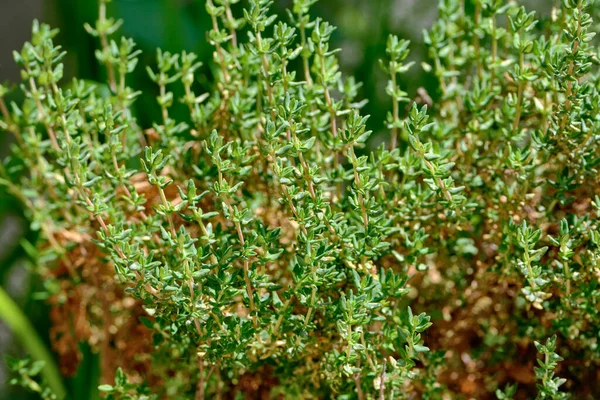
(266, 246)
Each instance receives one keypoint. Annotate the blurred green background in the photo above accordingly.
(175, 25)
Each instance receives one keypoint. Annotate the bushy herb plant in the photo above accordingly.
(266, 246)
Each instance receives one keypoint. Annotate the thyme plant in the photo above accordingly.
(265, 246)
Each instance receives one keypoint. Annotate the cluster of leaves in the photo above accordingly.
(27, 375)
(270, 244)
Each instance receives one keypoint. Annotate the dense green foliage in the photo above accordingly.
(265, 246)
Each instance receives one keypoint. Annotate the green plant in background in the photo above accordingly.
(17, 322)
(260, 246)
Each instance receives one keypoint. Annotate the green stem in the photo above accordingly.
(529, 269)
(394, 113)
(519, 89)
(567, 272)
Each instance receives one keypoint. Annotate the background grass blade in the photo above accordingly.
(12, 315)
